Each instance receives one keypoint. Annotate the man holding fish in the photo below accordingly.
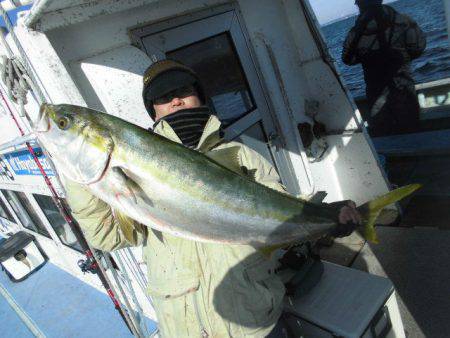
(199, 206)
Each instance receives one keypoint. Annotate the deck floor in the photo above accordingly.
(61, 306)
(417, 261)
(10, 323)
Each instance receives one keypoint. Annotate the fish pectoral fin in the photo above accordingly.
(124, 183)
(127, 187)
(372, 209)
(228, 157)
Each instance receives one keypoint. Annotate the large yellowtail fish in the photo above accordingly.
(174, 189)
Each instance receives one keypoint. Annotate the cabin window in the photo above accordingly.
(57, 222)
(4, 212)
(25, 212)
(217, 63)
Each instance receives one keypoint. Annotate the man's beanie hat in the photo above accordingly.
(164, 76)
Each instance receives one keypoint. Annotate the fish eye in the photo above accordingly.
(63, 123)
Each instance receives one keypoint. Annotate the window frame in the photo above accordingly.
(44, 215)
(6, 210)
(14, 199)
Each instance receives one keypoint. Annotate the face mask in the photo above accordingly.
(188, 124)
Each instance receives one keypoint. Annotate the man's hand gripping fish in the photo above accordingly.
(174, 189)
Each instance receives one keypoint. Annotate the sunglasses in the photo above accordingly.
(179, 93)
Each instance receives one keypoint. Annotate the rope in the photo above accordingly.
(14, 77)
(26, 66)
(17, 82)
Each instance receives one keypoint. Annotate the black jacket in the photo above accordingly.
(385, 42)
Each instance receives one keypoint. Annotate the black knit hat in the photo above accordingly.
(367, 3)
(165, 76)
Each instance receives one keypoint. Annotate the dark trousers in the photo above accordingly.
(400, 114)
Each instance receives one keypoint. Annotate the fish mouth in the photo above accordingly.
(42, 123)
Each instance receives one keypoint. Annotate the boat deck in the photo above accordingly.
(417, 261)
(61, 306)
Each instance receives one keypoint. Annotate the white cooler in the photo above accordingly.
(20, 256)
(346, 303)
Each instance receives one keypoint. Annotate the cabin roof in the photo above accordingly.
(58, 13)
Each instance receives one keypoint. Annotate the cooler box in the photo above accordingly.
(20, 256)
(346, 303)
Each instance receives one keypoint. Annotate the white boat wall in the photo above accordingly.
(275, 74)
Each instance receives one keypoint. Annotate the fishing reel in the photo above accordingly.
(305, 260)
(88, 265)
(295, 257)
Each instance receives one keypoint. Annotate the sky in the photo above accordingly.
(330, 10)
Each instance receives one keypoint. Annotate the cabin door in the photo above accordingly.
(215, 45)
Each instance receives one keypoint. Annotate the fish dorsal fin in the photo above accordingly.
(211, 141)
(318, 197)
(228, 157)
(250, 173)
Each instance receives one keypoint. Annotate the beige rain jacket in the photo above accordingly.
(198, 289)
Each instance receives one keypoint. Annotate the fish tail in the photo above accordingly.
(371, 210)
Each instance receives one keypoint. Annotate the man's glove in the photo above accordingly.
(349, 223)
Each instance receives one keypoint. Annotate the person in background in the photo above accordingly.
(184, 275)
(385, 42)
